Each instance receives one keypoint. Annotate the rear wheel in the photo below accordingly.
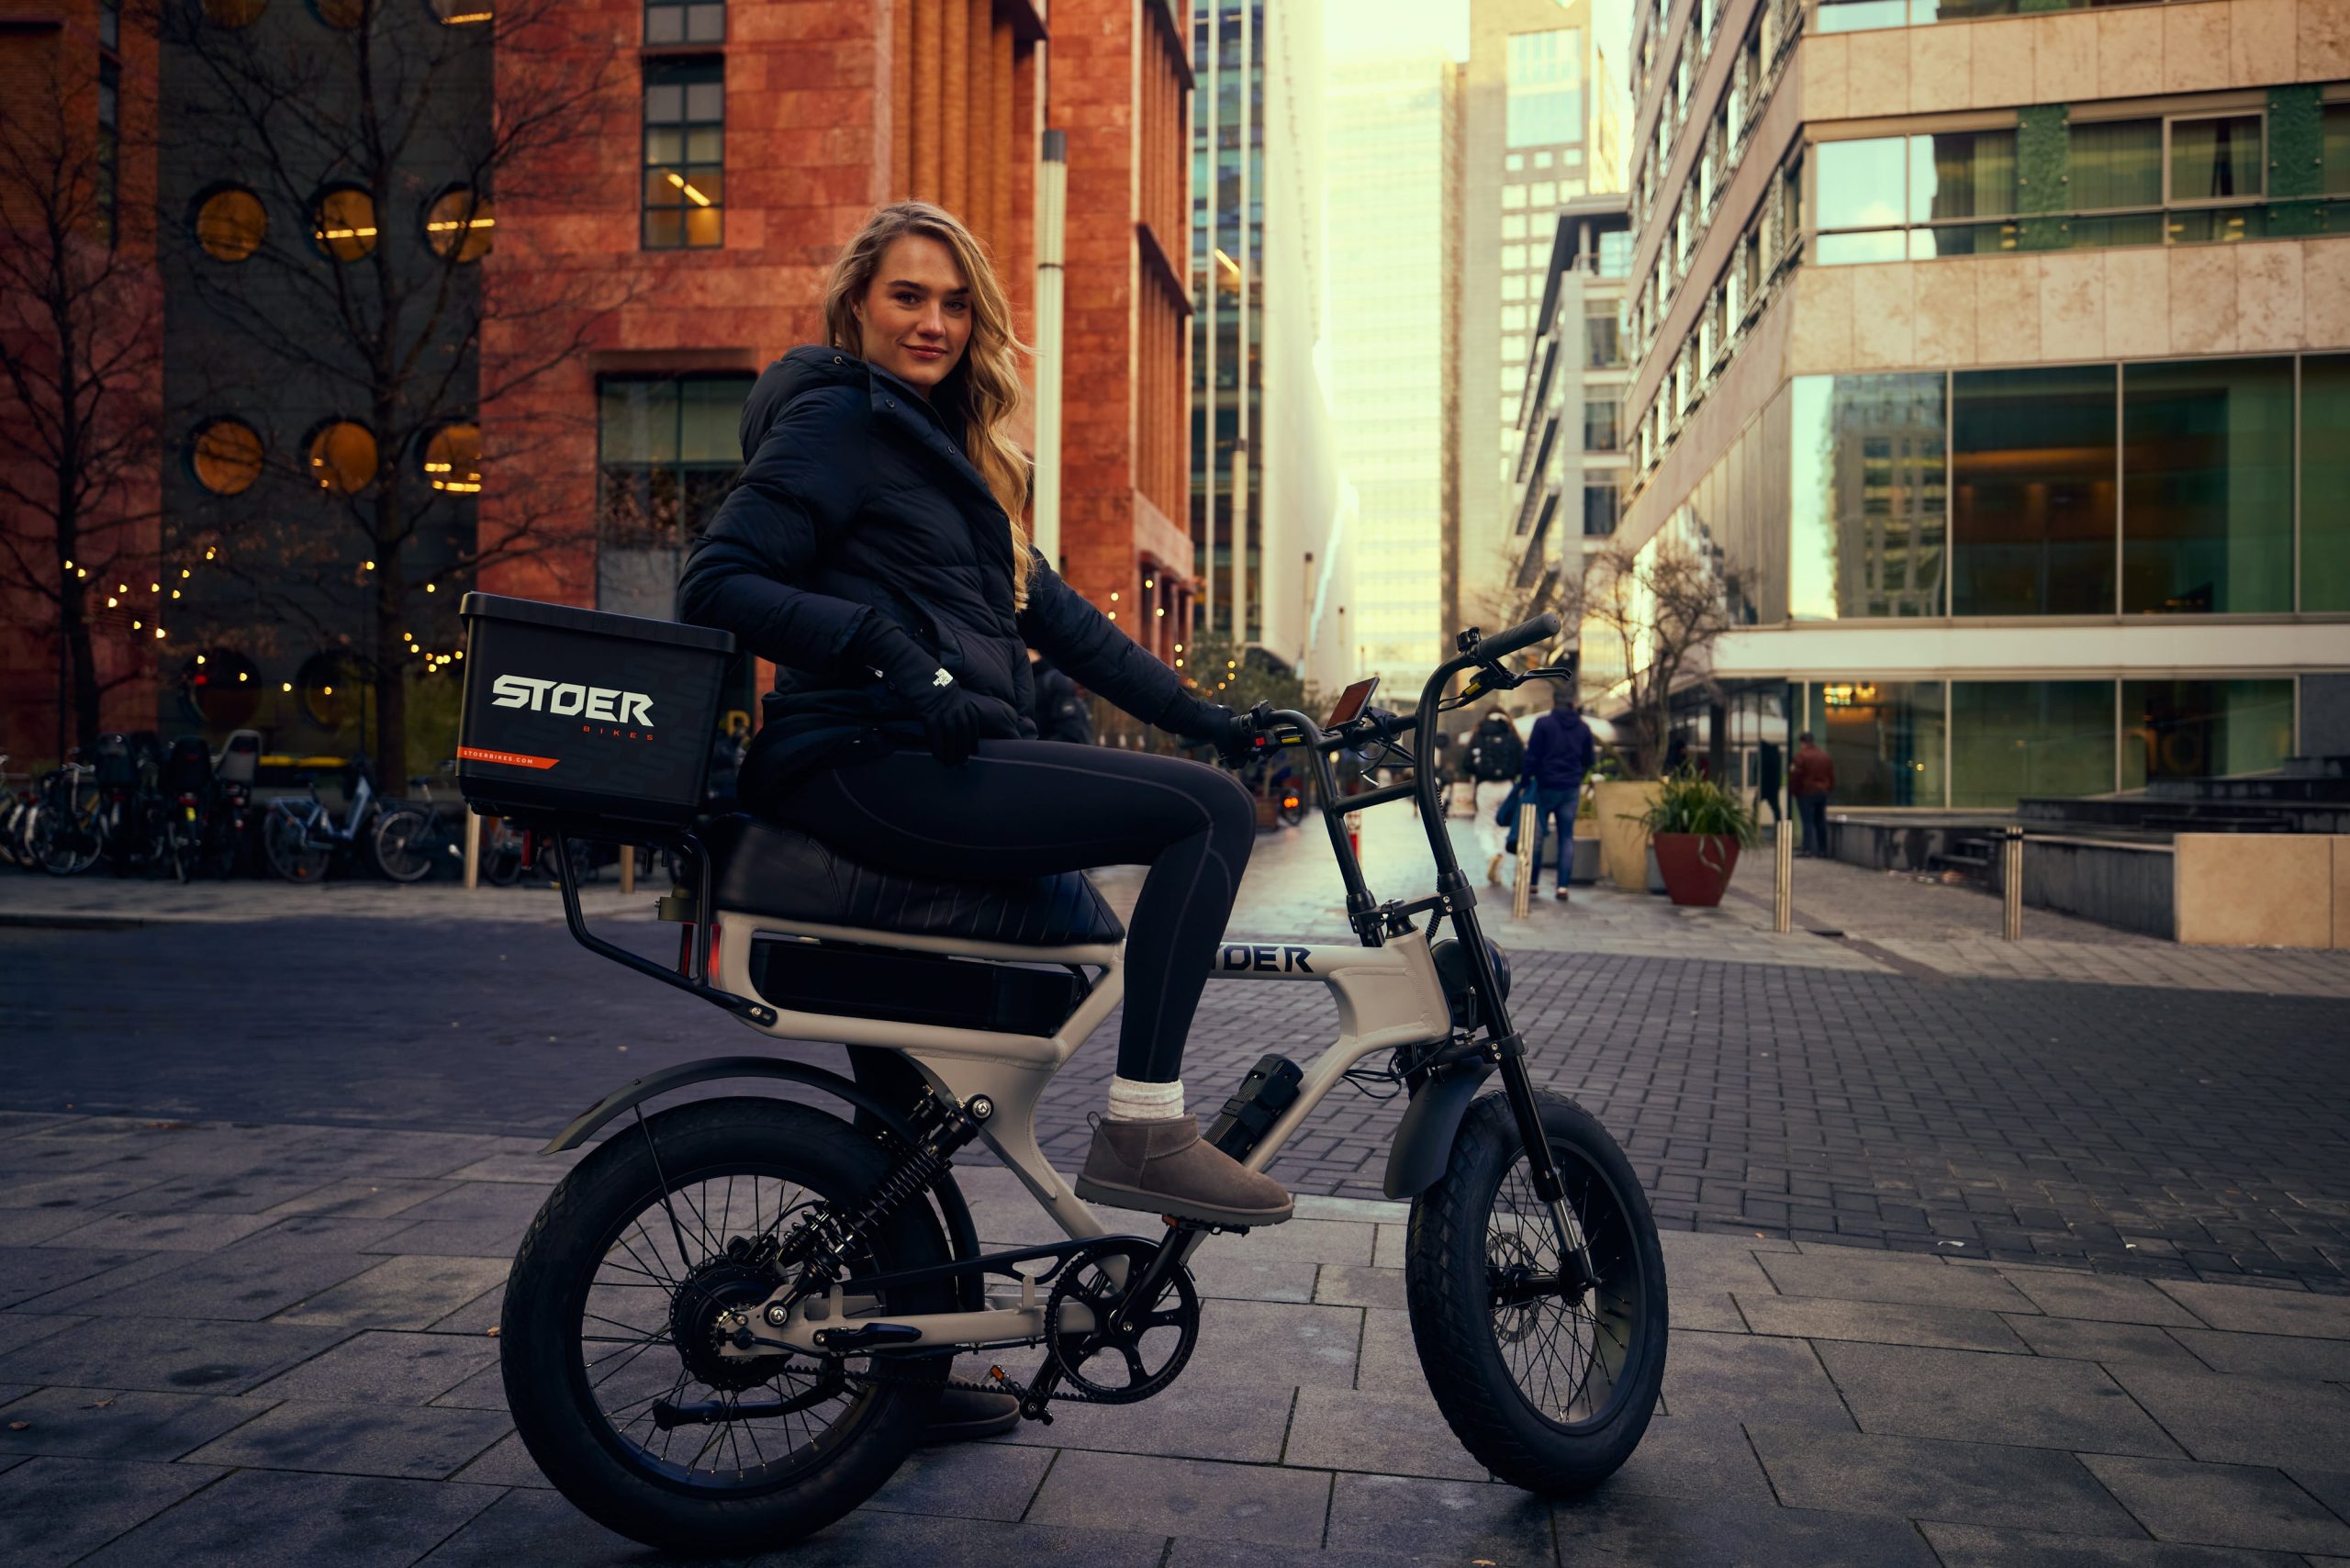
(404, 843)
(64, 839)
(617, 1314)
(1548, 1387)
(286, 844)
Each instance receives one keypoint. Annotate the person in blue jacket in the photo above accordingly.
(1557, 758)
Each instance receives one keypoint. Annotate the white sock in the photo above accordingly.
(1134, 1100)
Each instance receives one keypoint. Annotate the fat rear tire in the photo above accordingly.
(601, 1472)
(1448, 1275)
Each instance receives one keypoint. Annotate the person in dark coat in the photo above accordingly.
(1061, 710)
(871, 550)
(1557, 759)
(1811, 778)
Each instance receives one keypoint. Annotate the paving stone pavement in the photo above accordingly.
(303, 1373)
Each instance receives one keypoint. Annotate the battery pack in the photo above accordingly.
(1270, 1089)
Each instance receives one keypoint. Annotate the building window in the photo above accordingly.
(1513, 258)
(2325, 471)
(1545, 76)
(452, 459)
(1884, 736)
(2206, 496)
(1600, 509)
(684, 21)
(342, 456)
(669, 448)
(1513, 162)
(459, 223)
(225, 457)
(1599, 424)
(1513, 226)
(1616, 253)
(110, 23)
(343, 224)
(1514, 287)
(1512, 196)
(2015, 739)
(1930, 185)
(1544, 195)
(2117, 163)
(109, 144)
(2032, 491)
(2203, 729)
(2215, 160)
(234, 12)
(1603, 344)
(231, 224)
(1869, 518)
(463, 12)
(685, 137)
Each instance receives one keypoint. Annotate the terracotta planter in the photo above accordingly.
(1623, 846)
(1697, 866)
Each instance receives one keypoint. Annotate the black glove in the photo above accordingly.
(1213, 723)
(950, 715)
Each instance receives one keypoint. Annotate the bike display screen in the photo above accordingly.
(1351, 702)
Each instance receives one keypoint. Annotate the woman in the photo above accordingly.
(872, 550)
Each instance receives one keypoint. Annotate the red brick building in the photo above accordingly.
(77, 152)
(689, 235)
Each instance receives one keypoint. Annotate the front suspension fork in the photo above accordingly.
(1574, 1254)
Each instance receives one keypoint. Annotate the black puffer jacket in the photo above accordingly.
(856, 500)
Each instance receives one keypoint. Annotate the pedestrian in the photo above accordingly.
(1491, 763)
(1557, 759)
(1771, 772)
(1062, 714)
(1811, 778)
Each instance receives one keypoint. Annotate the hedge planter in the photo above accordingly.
(1697, 866)
(1623, 840)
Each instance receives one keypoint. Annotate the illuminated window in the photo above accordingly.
(233, 13)
(461, 220)
(231, 224)
(685, 144)
(463, 13)
(452, 459)
(344, 223)
(226, 456)
(342, 456)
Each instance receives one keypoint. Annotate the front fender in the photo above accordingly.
(1423, 1143)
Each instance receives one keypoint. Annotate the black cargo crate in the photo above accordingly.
(577, 717)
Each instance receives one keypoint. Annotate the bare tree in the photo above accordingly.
(387, 116)
(1659, 610)
(79, 360)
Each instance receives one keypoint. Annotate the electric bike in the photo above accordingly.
(729, 1323)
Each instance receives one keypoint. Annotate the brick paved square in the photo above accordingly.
(168, 1356)
(1633, 1528)
(385, 1367)
(1920, 1478)
(55, 1510)
(2215, 1505)
(1751, 1379)
(359, 1440)
(2243, 1420)
(1180, 1496)
(1451, 1520)
(1971, 1396)
(279, 1519)
(1812, 1318)
(402, 1292)
(2265, 1312)
(1972, 1546)
(120, 1424)
(1344, 1428)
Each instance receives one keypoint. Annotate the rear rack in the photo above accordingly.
(695, 982)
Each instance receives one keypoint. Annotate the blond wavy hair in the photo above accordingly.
(983, 390)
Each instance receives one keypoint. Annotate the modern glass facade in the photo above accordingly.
(2158, 489)
(2014, 739)
(1888, 739)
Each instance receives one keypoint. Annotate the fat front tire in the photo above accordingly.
(1549, 1393)
(599, 1265)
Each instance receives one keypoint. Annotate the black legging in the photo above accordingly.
(1031, 808)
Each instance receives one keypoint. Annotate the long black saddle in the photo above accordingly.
(763, 868)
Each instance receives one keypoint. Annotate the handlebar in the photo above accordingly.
(1501, 644)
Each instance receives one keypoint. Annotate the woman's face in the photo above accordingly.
(916, 313)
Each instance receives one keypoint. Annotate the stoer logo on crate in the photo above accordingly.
(565, 700)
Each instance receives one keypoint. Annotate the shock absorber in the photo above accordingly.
(940, 1128)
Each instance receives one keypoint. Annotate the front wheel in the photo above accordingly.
(1547, 1385)
(404, 845)
(627, 1301)
(285, 843)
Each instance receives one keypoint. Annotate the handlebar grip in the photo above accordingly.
(1501, 644)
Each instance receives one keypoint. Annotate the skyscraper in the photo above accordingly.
(1536, 132)
(1394, 225)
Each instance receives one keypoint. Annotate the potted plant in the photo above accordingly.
(1697, 828)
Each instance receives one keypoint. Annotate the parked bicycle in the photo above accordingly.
(728, 1324)
(304, 839)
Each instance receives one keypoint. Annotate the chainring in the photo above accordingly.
(1087, 1281)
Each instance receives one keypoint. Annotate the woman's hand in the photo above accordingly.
(950, 714)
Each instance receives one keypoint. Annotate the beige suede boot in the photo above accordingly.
(1166, 1167)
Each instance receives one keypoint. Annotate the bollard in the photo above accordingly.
(1529, 849)
(2011, 885)
(1783, 877)
(628, 869)
(473, 850)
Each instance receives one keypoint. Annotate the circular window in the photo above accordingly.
(234, 12)
(330, 686)
(459, 224)
(224, 686)
(343, 15)
(460, 13)
(342, 456)
(344, 223)
(230, 223)
(453, 460)
(226, 457)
